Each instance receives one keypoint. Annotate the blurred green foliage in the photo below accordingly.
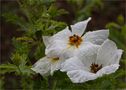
(84, 8)
(118, 32)
(37, 18)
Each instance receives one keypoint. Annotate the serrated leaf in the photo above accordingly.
(26, 70)
(53, 11)
(24, 38)
(21, 47)
(19, 59)
(39, 52)
(7, 68)
(112, 25)
(14, 19)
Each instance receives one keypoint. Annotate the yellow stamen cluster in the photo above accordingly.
(95, 67)
(55, 59)
(75, 40)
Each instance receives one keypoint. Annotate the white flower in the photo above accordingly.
(93, 62)
(70, 42)
(50, 63)
(47, 65)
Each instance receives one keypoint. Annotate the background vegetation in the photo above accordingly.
(23, 22)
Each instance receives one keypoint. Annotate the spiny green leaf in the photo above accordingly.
(26, 70)
(7, 68)
(39, 52)
(14, 19)
(24, 38)
(53, 11)
(112, 25)
(19, 59)
(21, 47)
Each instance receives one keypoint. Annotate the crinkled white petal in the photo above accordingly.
(81, 76)
(115, 58)
(118, 57)
(96, 37)
(62, 47)
(87, 47)
(69, 51)
(80, 27)
(54, 52)
(42, 66)
(46, 40)
(106, 53)
(62, 35)
(88, 54)
(108, 69)
(72, 64)
(57, 46)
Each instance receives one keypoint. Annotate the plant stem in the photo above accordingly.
(49, 82)
(54, 85)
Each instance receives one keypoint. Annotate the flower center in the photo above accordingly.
(75, 40)
(55, 59)
(95, 67)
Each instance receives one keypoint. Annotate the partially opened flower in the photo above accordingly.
(93, 62)
(72, 41)
(50, 63)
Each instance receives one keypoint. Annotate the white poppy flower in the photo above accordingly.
(70, 42)
(50, 63)
(93, 62)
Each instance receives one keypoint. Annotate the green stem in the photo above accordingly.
(54, 85)
(49, 82)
